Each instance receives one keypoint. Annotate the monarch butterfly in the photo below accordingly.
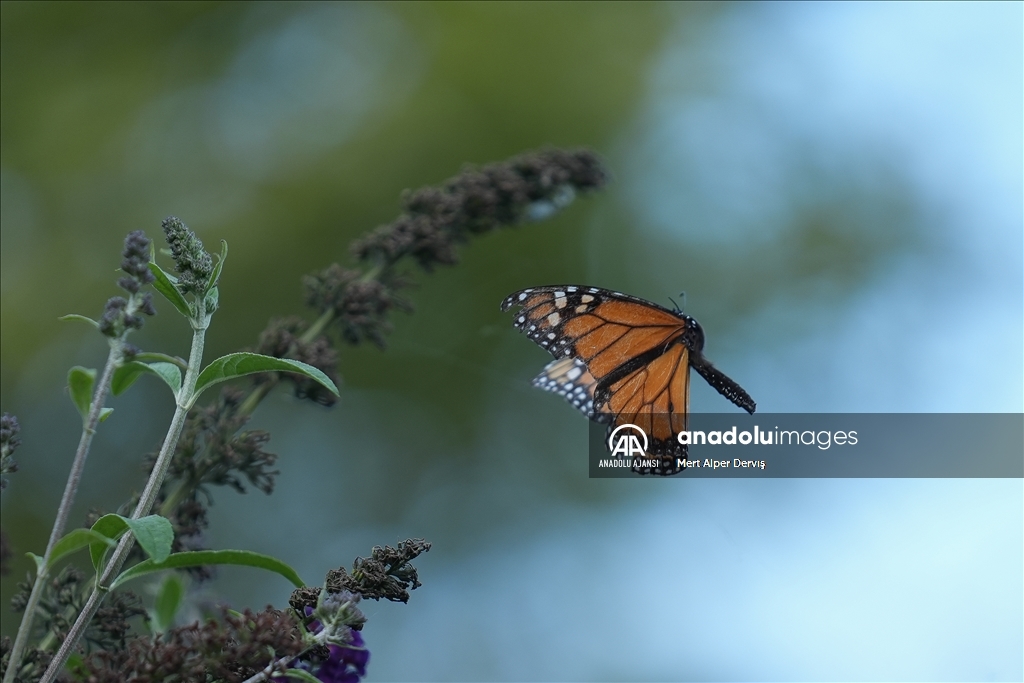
(621, 360)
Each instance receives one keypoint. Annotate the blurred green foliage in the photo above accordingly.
(490, 80)
(109, 123)
(290, 129)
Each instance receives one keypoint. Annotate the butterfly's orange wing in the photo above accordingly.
(621, 360)
(603, 329)
(656, 398)
(624, 355)
(569, 378)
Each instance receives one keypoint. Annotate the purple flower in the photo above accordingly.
(348, 656)
(346, 664)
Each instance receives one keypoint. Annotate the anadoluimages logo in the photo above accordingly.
(626, 443)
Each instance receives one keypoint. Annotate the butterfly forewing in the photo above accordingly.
(585, 322)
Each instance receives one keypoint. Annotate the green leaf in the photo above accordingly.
(82, 318)
(80, 382)
(215, 276)
(300, 675)
(38, 560)
(151, 357)
(154, 535)
(165, 285)
(238, 364)
(167, 602)
(212, 301)
(111, 527)
(105, 413)
(76, 667)
(76, 540)
(126, 375)
(200, 558)
(169, 373)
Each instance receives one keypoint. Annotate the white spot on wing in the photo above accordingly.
(554, 319)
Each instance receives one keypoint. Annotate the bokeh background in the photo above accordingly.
(836, 187)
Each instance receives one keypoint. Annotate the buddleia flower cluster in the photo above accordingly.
(120, 314)
(320, 634)
(192, 262)
(435, 220)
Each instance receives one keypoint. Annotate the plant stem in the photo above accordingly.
(252, 401)
(375, 272)
(149, 495)
(317, 327)
(270, 670)
(64, 510)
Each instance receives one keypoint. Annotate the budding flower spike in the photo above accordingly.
(193, 265)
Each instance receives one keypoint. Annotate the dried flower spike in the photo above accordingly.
(387, 573)
(531, 186)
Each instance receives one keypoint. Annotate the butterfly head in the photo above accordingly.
(693, 337)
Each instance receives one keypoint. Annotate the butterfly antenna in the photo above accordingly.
(679, 309)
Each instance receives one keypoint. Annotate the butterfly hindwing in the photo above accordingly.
(656, 399)
(570, 379)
